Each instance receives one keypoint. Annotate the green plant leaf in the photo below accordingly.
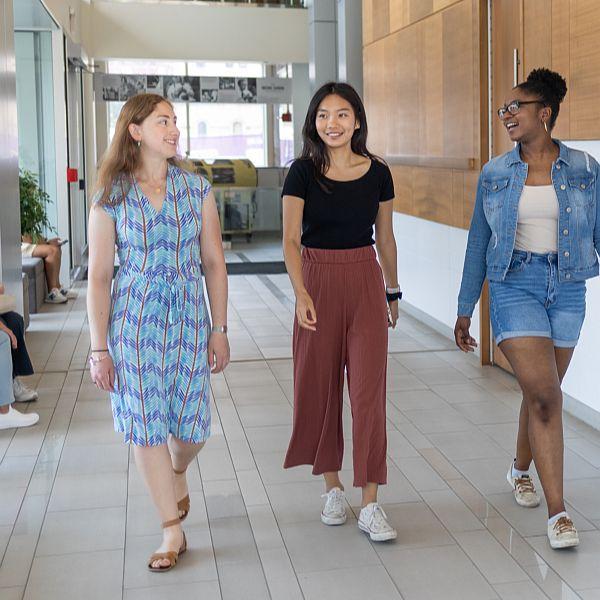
(34, 200)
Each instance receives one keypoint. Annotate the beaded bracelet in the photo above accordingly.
(95, 361)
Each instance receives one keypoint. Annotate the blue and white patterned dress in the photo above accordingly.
(159, 325)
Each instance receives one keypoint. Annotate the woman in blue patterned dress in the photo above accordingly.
(152, 344)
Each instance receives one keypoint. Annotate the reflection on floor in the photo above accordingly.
(75, 522)
(264, 247)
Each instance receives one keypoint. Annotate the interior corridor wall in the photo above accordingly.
(430, 260)
(136, 29)
(583, 377)
(10, 220)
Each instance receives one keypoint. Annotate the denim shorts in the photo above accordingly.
(531, 302)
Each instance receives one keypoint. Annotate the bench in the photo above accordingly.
(34, 269)
(25, 281)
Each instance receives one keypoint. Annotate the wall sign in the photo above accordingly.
(179, 88)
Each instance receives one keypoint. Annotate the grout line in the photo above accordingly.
(265, 490)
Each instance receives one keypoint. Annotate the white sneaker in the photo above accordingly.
(13, 418)
(68, 294)
(563, 534)
(334, 511)
(22, 392)
(55, 297)
(523, 490)
(373, 520)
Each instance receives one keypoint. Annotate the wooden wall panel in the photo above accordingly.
(374, 79)
(537, 35)
(460, 106)
(402, 94)
(403, 188)
(561, 61)
(458, 198)
(431, 78)
(442, 195)
(584, 76)
(432, 194)
(367, 22)
(422, 95)
(399, 14)
(419, 9)
(382, 17)
(506, 36)
(470, 191)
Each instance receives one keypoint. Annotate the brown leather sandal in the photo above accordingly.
(171, 556)
(184, 503)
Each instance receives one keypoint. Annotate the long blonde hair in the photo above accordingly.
(123, 156)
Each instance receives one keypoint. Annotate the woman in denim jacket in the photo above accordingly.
(535, 235)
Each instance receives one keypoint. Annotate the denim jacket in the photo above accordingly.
(576, 179)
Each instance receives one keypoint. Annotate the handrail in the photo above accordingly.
(437, 162)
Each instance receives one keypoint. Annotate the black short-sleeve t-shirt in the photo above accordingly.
(344, 217)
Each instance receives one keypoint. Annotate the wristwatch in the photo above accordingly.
(219, 329)
(392, 294)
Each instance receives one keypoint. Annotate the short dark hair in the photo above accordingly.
(549, 86)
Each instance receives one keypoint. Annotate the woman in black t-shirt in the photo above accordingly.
(332, 197)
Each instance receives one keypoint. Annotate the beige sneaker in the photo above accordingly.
(563, 534)
(523, 489)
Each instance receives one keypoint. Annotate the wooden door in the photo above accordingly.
(507, 71)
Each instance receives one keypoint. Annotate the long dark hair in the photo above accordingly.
(314, 147)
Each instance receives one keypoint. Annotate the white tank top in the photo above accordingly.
(537, 220)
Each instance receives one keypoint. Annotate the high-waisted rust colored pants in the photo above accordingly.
(348, 292)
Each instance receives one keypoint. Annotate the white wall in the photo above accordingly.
(583, 377)
(430, 261)
(192, 31)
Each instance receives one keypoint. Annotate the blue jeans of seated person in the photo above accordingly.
(6, 379)
(21, 363)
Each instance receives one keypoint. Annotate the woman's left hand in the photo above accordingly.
(393, 313)
(218, 352)
(11, 335)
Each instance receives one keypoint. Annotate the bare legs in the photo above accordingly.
(369, 491)
(540, 436)
(156, 464)
(51, 255)
(182, 454)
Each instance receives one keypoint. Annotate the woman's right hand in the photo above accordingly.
(462, 337)
(103, 374)
(305, 312)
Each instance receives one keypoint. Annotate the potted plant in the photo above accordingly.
(34, 220)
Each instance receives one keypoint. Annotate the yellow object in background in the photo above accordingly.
(228, 172)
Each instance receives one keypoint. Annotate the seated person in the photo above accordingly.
(12, 324)
(9, 417)
(51, 253)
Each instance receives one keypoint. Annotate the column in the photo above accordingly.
(322, 45)
(349, 43)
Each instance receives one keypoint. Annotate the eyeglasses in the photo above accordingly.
(515, 106)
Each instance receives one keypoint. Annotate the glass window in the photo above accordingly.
(35, 114)
(228, 131)
(215, 130)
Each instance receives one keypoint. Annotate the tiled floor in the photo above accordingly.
(76, 523)
(263, 247)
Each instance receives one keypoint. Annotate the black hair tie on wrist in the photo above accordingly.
(393, 296)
